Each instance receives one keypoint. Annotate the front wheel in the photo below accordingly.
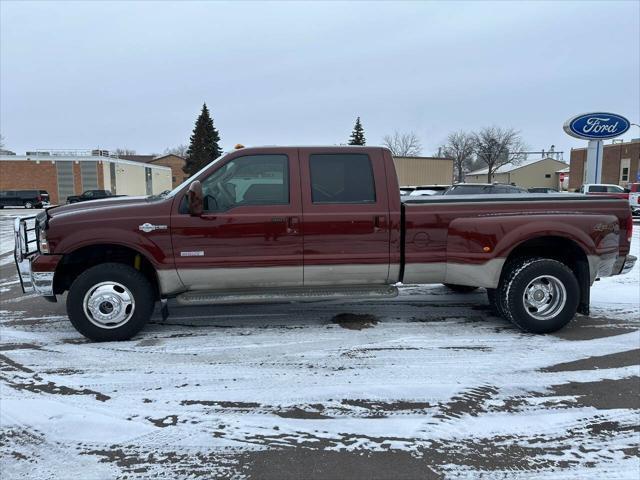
(110, 302)
(540, 295)
(459, 288)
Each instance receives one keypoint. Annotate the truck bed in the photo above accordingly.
(532, 197)
(466, 239)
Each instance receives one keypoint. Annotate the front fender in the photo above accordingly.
(148, 245)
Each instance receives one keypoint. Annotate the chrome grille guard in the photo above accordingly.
(25, 236)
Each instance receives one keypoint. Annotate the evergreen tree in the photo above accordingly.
(357, 136)
(205, 143)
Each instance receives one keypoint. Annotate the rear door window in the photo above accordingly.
(341, 178)
(597, 189)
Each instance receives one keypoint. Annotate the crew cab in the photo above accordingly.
(90, 195)
(277, 224)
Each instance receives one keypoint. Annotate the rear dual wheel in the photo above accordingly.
(538, 295)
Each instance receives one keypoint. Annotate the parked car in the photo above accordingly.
(543, 190)
(89, 195)
(482, 189)
(605, 189)
(429, 190)
(634, 198)
(407, 190)
(24, 198)
(275, 224)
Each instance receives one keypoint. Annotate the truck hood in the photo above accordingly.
(94, 205)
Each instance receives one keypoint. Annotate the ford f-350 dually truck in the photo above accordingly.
(275, 224)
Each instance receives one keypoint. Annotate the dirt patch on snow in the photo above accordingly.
(19, 346)
(355, 321)
(590, 328)
(397, 406)
(300, 413)
(222, 404)
(603, 394)
(614, 360)
(168, 421)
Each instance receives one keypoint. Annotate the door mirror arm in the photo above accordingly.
(194, 195)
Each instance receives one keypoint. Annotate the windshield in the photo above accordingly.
(187, 181)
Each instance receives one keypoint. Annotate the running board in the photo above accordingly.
(287, 295)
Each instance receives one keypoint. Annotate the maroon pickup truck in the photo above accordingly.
(310, 223)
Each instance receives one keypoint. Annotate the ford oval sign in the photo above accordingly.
(596, 126)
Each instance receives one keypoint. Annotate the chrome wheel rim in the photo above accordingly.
(544, 297)
(109, 305)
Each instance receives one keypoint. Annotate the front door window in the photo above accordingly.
(250, 180)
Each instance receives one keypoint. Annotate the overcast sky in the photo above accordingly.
(135, 75)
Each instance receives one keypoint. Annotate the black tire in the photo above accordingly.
(459, 288)
(492, 297)
(28, 204)
(511, 295)
(138, 286)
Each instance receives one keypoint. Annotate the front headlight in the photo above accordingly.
(43, 243)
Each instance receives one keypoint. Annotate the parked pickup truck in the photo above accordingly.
(280, 224)
(634, 198)
(90, 195)
(607, 189)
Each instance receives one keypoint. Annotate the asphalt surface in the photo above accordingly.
(429, 385)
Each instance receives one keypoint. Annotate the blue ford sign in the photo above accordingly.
(596, 126)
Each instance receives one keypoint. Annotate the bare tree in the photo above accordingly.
(124, 151)
(403, 144)
(496, 146)
(179, 150)
(460, 146)
(1, 141)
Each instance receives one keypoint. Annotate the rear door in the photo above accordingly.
(249, 234)
(345, 217)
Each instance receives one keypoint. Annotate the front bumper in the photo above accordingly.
(30, 281)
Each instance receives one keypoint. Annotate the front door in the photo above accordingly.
(345, 217)
(249, 234)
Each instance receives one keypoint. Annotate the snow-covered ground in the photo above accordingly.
(429, 385)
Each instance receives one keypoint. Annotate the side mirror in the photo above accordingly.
(626, 190)
(195, 198)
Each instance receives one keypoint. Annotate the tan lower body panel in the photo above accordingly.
(485, 275)
(370, 274)
(196, 279)
(234, 278)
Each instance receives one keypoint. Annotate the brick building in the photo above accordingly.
(174, 162)
(620, 164)
(67, 174)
